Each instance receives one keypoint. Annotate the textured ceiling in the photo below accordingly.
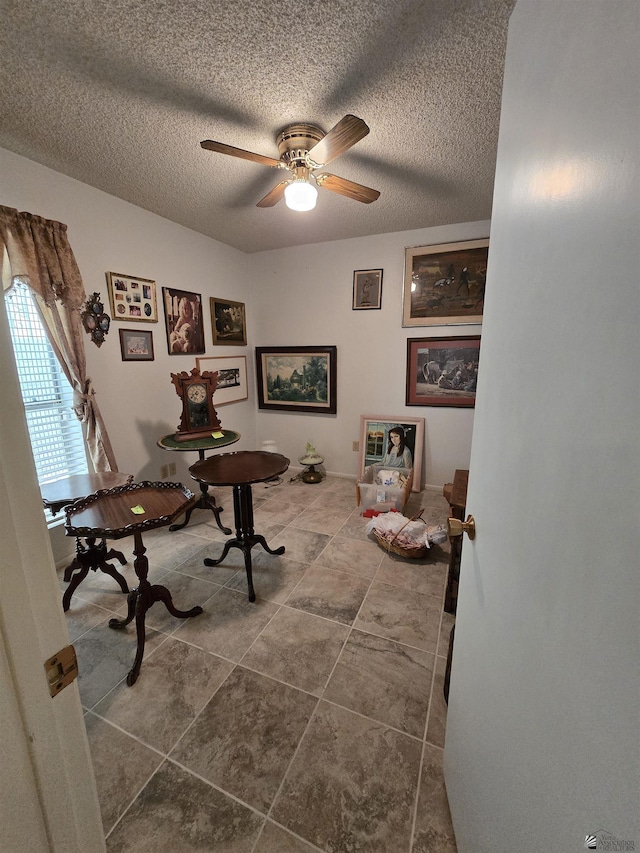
(119, 95)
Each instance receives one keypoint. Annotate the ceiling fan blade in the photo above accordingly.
(346, 133)
(357, 192)
(274, 195)
(221, 148)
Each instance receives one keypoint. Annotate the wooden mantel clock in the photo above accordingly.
(195, 389)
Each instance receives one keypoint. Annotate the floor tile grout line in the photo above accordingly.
(147, 655)
(293, 757)
(351, 627)
(216, 787)
(286, 829)
(416, 801)
(387, 726)
(134, 798)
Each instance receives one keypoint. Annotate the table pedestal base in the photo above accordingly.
(206, 501)
(245, 537)
(91, 557)
(143, 597)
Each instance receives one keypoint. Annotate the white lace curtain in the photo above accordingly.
(37, 251)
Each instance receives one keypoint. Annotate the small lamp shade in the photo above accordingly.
(300, 195)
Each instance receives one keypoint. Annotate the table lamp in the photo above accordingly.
(310, 458)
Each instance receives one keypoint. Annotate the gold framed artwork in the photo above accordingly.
(132, 298)
(444, 285)
(228, 322)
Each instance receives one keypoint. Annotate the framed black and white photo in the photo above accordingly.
(367, 289)
(232, 377)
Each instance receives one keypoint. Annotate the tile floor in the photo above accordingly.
(311, 720)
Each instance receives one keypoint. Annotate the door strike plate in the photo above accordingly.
(61, 669)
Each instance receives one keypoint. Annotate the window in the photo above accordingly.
(56, 435)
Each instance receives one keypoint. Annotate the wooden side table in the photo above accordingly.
(458, 503)
(130, 511)
(201, 445)
(240, 470)
(89, 555)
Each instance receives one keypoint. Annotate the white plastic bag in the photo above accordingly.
(410, 533)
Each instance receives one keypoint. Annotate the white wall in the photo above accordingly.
(137, 400)
(298, 296)
(304, 297)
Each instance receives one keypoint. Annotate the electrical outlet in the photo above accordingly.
(172, 469)
(355, 445)
(164, 472)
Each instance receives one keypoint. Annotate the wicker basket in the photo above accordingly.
(413, 552)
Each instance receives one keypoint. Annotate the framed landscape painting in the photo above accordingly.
(442, 371)
(377, 442)
(232, 377)
(444, 285)
(297, 379)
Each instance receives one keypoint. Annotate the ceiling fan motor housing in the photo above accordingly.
(295, 142)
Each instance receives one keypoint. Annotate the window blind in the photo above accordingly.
(56, 436)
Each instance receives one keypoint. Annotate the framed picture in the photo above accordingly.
(184, 322)
(392, 441)
(136, 345)
(442, 371)
(132, 298)
(367, 289)
(444, 285)
(297, 379)
(228, 323)
(232, 377)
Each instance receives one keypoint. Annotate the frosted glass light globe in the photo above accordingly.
(300, 195)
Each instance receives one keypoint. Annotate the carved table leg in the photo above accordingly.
(206, 501)
(140, 600)
(76, 580)
(90, 556)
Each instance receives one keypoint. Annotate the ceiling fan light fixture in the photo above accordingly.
(300, 195)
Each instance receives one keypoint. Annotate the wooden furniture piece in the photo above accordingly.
(90, 556)
(199, 419)
(457, 501)
(206, 501)
(241, 470)
(130, 511)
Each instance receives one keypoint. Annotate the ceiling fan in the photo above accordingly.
(305, 148)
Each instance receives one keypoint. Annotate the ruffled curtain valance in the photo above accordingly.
(37, 251)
